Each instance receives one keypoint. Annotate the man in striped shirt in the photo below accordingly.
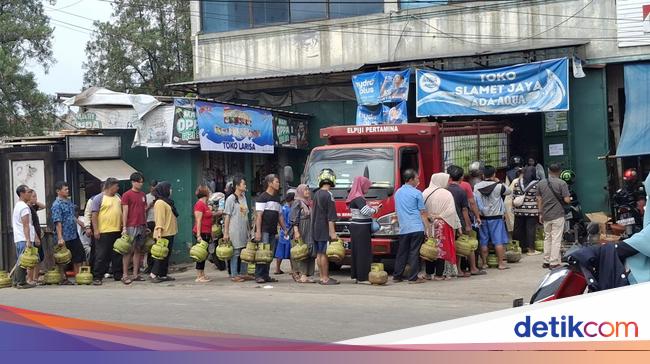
(268, 218)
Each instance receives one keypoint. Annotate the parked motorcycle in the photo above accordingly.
(629, 203)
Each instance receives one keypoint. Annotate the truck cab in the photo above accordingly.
(381, 153)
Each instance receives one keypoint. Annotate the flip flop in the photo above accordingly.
(270, 280)
(278, 273)
(126, 280)
(479, 273)
(138, 279)
(504, 268)
(330, 282)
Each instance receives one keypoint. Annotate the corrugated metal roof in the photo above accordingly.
(325, 71)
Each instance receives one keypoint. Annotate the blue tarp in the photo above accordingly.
(635, 138)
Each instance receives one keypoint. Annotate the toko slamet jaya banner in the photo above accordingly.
(533, 87)
(237, 129)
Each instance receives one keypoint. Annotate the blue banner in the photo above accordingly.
(377, 87)
(370, 115)
(230, 128)
(382, 114)
(532, 87)
(396, 114)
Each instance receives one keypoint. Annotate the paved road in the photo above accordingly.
(288, 310)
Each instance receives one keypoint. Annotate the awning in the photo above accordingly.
(106, 168)
(635, 138)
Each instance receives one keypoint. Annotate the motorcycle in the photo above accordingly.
(567, 280)
(629, 203)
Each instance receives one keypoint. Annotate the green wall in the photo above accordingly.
(585, 140)
(181, 169)
(326, 113)
(589, 138)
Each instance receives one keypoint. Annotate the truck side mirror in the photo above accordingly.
(288, 175)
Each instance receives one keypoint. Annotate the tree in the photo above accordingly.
(145, 46)
(25, 35)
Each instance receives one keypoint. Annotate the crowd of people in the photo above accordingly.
(452, 205)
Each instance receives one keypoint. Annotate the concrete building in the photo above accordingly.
(301, 56)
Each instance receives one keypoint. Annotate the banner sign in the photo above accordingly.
(370, 115)
(185, 130)
(107, 118)
(534, 87)
(156, 129)
(396, 114)
(228, 128)
(290, 133)
(374, 88)
(382, 114)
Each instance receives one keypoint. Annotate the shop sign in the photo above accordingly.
(291, 133)
(534, 87)
(633, 25)
(556, 121)
(156, 128)
(185, 131)
(374, 88)
(228, 128)
(382, 114)
(107, 118)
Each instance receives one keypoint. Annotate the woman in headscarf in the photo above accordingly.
(360, 229)
(525, 210)
(166, 227)
(300, 220)
(441, 208)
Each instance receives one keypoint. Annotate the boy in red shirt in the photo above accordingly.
(134, 222)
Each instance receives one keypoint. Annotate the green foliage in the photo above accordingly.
(144, 46)
(25, 36)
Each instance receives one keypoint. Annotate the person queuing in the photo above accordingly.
(107, 227)
(525, 210)
(36, 206)
(489, 195)
(413, 224)
(283, 250)
(441, 210)
(134, 224)
(24, 234)
(301, 210)
(235, 228)
(462, 204)
(360, 229)
(323, 217)
(268, 219)
(552, 193)
(65, 219)
(202, 229)
(166, 227)
(151, 220)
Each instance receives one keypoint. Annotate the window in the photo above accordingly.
(301, 11)
(268, 12)
(414, 4)
(223, 16)
(378, 164)
(339, 9)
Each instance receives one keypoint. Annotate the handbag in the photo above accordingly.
(518, 201)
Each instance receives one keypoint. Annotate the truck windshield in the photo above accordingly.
(349, 163)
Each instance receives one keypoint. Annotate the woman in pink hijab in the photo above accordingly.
(360, 229)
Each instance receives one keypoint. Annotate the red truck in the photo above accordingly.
(383, 152)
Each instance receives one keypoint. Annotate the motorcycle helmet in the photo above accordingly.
(476, 168)
(630, 175)
(326, 176)
(568, 176)
(516, 161)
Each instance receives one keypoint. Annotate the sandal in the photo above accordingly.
(138, 279)
(329, 282)
(202, 280)
(270, 280)
(296, 276)
(237, 279)
(278, 272)
(168, 278)
(260, 281)
(126, 280)
(479, 273)
(504, 268)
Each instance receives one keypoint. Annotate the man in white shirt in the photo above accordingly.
(24, 233)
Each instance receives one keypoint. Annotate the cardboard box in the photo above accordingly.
(601, 219)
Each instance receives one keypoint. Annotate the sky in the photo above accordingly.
(69, 43)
